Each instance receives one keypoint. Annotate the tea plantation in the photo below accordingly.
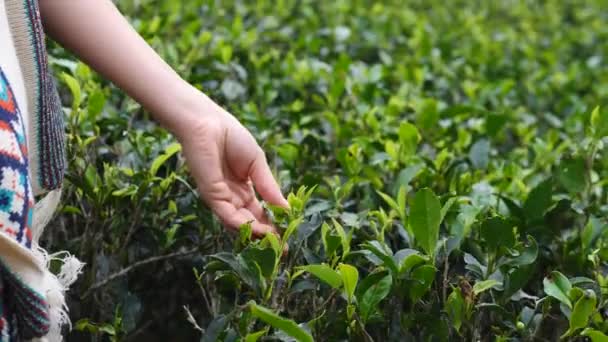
(445, 163)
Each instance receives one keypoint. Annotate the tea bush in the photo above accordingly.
(445, 164)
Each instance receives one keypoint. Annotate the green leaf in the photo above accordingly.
(372, 291)
(292, 228)
(583, 309)
(406, 259)
(96, 101)
(285, 325)
(599, 123)
(72, 83)
(480, 154)
(422, 277)
(427, 114)
(215, 329)
(456, 308)
(383, 253)
(160, 160)
(350, 278)
(425, 217)
(330, 242)
(391, 202)
(526, 257)
(558, 287)
(482, 286)
(595, 335)
(264, 257)
(325, 273)
(572, 174)
(344, 238)
(408, 139)
(496, 232)
(447, 206)
(253, 337)
(539, 200)
(592, 231)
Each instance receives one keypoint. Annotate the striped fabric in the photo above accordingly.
(46, 131)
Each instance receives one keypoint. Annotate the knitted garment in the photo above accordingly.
(32, 299)
(23, 311)
(46, 128)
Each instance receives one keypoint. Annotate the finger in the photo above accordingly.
(255, 207)
(265, 183)
(234, 218)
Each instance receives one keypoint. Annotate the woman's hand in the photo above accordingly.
(227, 163)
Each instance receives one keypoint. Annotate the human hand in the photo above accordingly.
(227, 163)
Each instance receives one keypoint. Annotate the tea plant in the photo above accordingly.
(445, 164)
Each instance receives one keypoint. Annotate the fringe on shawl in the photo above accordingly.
(55, 286)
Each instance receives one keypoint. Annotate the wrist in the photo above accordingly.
(190, 109)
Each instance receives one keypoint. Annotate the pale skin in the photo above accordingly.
(223, 157)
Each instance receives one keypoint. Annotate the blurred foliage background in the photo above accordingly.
(451, 151)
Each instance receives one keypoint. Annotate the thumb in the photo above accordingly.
(264, 182)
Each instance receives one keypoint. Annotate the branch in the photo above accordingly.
(133, 266)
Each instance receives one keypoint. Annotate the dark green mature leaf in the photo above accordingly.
(572, 175)
(516, 279)
(422, 277)
(264, 257)
(285, 325)
(497, 232)
(527, 256)
(383, 253)
(373, 289)
(539, 200)
(558, 286)
(425, 217)
(215, 328)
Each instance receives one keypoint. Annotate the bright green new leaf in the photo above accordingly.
(599, 122)
(285, 325)
(254, 337)
(160, 160)
(583, 309)
(425, 217)
(408, 139)
(595, 335)
(350, 277)
(456, 308)
(482, 286)
(326, 274)
(74, 86)
(558, 286)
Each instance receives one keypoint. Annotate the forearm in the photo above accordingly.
(97, 33)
